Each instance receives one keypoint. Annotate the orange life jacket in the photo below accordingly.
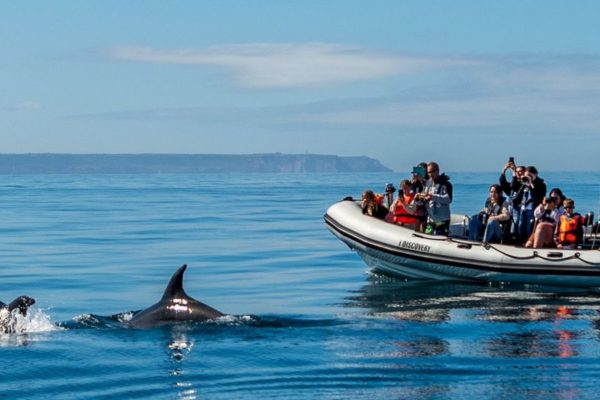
(379, 199)
(567, 231)
(401, 215)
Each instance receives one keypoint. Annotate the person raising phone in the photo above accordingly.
(511, 189)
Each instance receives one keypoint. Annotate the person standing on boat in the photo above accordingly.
(511, 189)
(417, 184)
(489, 223)
(419, 176)
(389, 194)
(530, 195)
(437, 195)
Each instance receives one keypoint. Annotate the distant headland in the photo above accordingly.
(49, 163)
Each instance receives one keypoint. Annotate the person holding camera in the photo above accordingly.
(547, 218)
(529, 196)
(489, 224)
(372, 205)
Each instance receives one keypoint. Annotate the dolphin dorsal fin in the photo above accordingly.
(175, 286)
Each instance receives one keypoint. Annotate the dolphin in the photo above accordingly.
(7, 317)
(174, 306)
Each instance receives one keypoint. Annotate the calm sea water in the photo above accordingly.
(310, 320)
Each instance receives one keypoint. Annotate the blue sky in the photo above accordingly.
(467, 83)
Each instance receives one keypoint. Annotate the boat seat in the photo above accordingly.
(459, 226)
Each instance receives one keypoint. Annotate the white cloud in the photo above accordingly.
(29, 105)
(22, 105)
(542, 91)
(497, 111)
(553, 93)
(270, 65)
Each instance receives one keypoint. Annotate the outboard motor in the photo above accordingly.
(595, 232)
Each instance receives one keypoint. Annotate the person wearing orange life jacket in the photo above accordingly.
(570, 228)
(404, 207)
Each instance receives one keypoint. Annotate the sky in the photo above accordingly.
(464, 83)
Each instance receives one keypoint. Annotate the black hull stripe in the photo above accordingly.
(459, 262)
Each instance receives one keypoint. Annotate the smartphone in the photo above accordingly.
(511, 160)
(419, 171)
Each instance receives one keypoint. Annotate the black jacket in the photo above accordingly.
(444, 180)
(379, 211)
(537, 194)
(509, 188)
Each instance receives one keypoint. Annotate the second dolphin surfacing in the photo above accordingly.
(174, 306)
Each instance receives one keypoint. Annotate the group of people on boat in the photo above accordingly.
(516, 212)
(423, 202)
(526, 216)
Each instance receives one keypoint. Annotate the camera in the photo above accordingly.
(389, 188)
(483, 217)
(526, 180)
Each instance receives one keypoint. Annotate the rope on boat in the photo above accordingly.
(430, 237)
(578, 256)
(488, 246)
(534, 255)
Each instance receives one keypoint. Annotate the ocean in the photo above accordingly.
(307, 318)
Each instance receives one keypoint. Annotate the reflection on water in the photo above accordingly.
(89, 246)
(179, 346)
(553, 343)
(515, 321)
(421, 346)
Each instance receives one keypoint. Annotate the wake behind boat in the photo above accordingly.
(402, 252)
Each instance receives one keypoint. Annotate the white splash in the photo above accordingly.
(15, 329)
(125, 317)
(233, 320)
(36, 320)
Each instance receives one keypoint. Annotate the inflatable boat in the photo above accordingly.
(402, 252)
